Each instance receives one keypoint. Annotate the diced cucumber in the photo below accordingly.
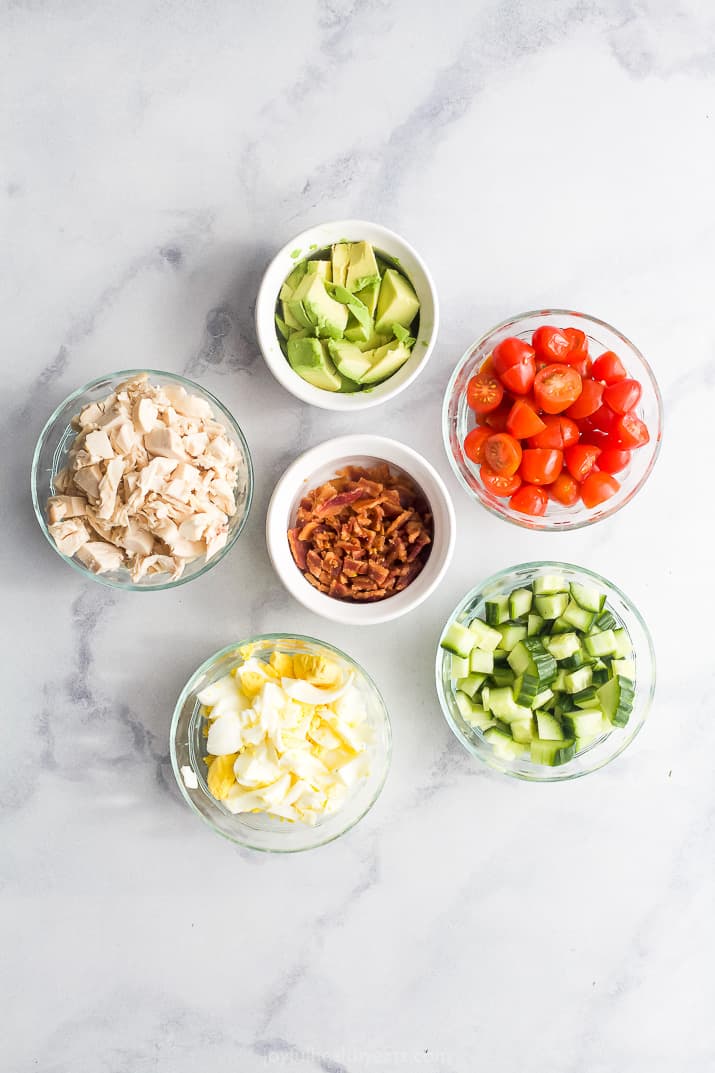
(572, 663)
(499, 655)
(586, 698)
(530, 657)
(562, 645)
(588, 597)
(503, 705)
(543, 699)
(548, 727)
(504, 745)
(551, 606)
(471, 684)
(496, 610)
(558, 683)
(605, 621)
(560, 625)
(503, 676)
(586, 723)
(601, 643)
(459, 666)
(525, 689)
(511, 634)
(485, 694)
(624, 648)
(550, 753)
(481, 662)
(626, 668)
(600, 675)
(484, 636)
(522, 730)
(534, 625)
(575, 681)
(547, 584)
(577, 616)
(616, 697)
(459, 639)
(520, 603)
(472, 713)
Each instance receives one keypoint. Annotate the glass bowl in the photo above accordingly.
(53, 448)
(458, 419)
(257, 830)
(600, 752)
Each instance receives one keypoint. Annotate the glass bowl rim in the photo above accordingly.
(489, 760)
(254, 639)
(130, 586)
(535, 523)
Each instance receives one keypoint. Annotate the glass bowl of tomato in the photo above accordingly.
(553, 420)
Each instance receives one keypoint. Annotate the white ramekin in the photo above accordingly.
(318, 465)
(307, 243)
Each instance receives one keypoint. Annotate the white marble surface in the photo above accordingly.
(154, 155)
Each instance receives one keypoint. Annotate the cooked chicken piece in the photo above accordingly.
(145, 415)
(69, 536)
(124, 438)
(90, 414)
(99, 557)
(216, 542)
(195, 444)
(98, 446)
(221, 493)
(61, 507)
(189, 405)
(195, 526)
(166, 443)
(153, 476)
(108, 487)
(137, 540)
(87, 479)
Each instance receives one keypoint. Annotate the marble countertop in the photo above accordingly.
(154, 156)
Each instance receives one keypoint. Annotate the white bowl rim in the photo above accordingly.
(266, 329)
(359, 445)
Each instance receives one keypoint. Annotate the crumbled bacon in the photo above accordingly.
(364, 535)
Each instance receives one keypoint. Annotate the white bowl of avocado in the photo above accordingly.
(346, 315)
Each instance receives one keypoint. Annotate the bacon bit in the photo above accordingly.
(363, 535)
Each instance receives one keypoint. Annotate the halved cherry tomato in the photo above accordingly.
(608, 367)
(539, 465)
(551, 344)
(596, 437)
(580, 459)
(603, 419)
(515, 364)
(611, 460)
(588, 401)
(502, 453)
(582, 366)
(559, 432)
(598, 487)
(556, 387)
(484, 392)
(530, 500)
(579, 345)
(623, 396)
(523, 420)
(565, 489)
(474, 443)
(629, 431)
(498, 483)
(496, 420)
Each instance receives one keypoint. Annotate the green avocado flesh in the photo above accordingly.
(346, 318)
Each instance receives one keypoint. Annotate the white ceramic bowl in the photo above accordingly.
(308, 243)
(318, 465)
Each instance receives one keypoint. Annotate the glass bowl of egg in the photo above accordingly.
(280, 743)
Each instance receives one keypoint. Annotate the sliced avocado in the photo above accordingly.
(362, 267)
(349, 359)
(403, 335)
(309, 358)
(292, 281)
(294, 312)
(397, 302)
(386, 360)
(347, 386)
(358, 310)
(356, 332)
(312, 299)
(282, 327)
(368, 297)
(322, 268)
(339, 258)
(289, 319)
(373, 343)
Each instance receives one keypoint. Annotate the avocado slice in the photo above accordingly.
(373, 342)
(358, 311)
(339, 258)
(396, 303)
(309, 358)
(368, 297)
(356, 333)
(282, 327)
(292, 281)
(289, 319)
(322, 268)
(362, 267)
(312, 300)
(385, 361)
(349, 359)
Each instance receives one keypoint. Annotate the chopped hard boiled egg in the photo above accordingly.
(287, 737)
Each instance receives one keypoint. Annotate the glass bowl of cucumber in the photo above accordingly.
(546, 671)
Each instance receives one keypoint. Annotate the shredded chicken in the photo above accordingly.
(150, 484)
(364, 535)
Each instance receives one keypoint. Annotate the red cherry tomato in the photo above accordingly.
(556, 387)
(484, 392)
(596, 438)
(580, 459)
(530, 500)
(604, 419)
(598, 487)
(565, 489)
(611, 460)
(498, 483)
(588, 401)
(623, 396)
(474, 443)
(559, 432)
(502, 453)
(608, 367)
(551, 344)
(539, 465)
(523, 420)
(496, 420)
(629, 431)
(579, 345)
(514, 364)
(582, 366)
